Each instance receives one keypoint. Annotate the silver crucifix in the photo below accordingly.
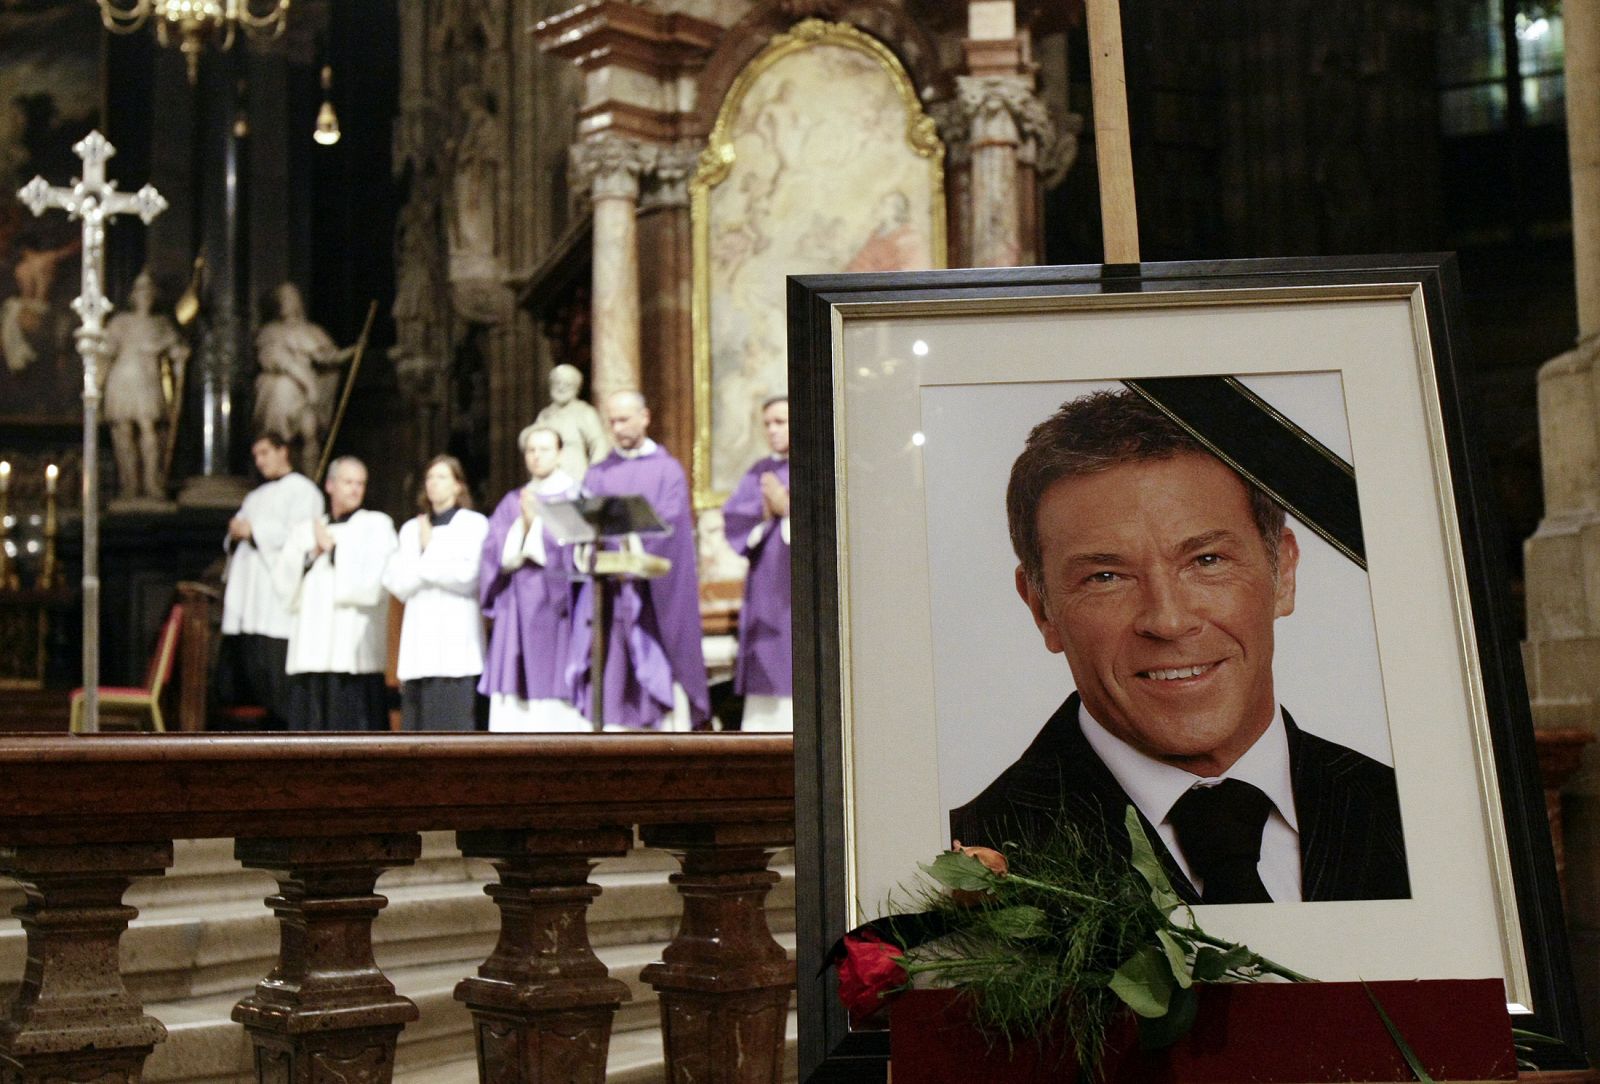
(93, 200)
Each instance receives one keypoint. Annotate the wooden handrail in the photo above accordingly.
(119, 788)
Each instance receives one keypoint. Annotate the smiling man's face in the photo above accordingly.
(1161, 593)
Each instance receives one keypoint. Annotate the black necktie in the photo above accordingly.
(1219, 829)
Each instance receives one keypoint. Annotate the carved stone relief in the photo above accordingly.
(1005, 108)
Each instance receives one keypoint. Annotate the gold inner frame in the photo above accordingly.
(716, 163)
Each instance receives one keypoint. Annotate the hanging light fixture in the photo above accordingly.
(194, 22)
(327, 132)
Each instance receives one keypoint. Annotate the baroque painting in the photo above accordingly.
(49, 99)
(821, 161)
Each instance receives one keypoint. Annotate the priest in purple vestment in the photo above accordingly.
(524, 585)
(655, 675)
(757, 522)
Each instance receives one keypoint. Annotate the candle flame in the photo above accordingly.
(51, 471)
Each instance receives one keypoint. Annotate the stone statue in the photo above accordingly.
(475, 188)
(583, 437)
(138, 401)
(299, 377)
(417, 300)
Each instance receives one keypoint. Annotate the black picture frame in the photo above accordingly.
(820, 306)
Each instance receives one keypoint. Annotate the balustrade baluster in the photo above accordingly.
(724, 982)
(326, 1014)
(542, 1003)
(72, 1019)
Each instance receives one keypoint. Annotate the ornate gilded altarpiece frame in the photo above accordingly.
(919, 674)
(821, 160)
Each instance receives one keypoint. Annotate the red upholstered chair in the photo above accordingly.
(148, 697)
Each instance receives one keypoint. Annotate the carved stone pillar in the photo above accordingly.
(996, 240)
(72, 1019)
(543, 1002)
(609, 167)
(1012, 140)
(666, 282)
(1563, 557)
(326, 1014)
(724, 982)
(955, 130)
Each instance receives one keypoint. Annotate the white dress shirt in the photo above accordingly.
(1155, 787)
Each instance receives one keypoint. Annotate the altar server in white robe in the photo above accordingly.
(255, 617)
(331, 570)
(435, 573)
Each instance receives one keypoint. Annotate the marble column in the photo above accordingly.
(610, 168)
(995, 195)
(666, 282)
(1009, 133)
(955, 130)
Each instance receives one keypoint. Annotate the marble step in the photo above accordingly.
(204, 1046)
(634, 1058)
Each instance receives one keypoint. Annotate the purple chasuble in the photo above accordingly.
(532, 612)
(764, 666)
(655, 624)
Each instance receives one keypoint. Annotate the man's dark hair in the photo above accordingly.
(272, 437)
(772, 401)
(1094, 433)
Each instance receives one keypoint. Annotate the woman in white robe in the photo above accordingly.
(435, 573)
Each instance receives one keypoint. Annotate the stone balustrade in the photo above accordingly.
(325, 815)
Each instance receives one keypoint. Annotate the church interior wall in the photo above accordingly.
(1232, 152)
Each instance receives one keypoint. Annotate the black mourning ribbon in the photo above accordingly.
(1219, 829)
(1290, 465)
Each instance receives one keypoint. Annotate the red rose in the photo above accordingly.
(870, 969)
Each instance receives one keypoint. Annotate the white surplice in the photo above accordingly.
(442, 634)
(250, 602)
(340, 612)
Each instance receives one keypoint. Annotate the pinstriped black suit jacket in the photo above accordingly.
(1351, 845)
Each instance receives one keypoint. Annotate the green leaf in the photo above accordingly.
(1399, 1040)
(1160, 1032)
(1212, 964)
(1177, 958)
(1144, 982)
(1018, 923)
(1537, 1038)
(961, 872)
(1144, 860)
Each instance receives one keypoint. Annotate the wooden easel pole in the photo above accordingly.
(1113, 150)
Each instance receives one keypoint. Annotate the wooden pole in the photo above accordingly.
(344, 397)
(1113, 150)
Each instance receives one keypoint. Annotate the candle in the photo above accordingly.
(5, 476)
(50, 473)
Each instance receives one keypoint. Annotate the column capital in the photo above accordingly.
(1006, 108)
(609, 167)
(955, 129)
(670, 172)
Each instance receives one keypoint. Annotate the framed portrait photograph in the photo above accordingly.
(1075, 539)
